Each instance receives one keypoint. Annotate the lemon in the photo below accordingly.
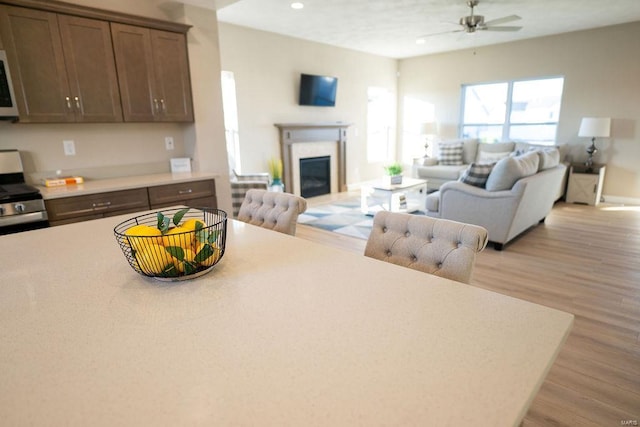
(190, 224)
(174, 237)
(142, 235)
(153, 259)
(208, 262)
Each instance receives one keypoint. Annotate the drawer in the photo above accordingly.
(93, 205)
(172, 194)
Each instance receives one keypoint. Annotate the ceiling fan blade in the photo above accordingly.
(502, 20)
(439, 34)
(501, 28)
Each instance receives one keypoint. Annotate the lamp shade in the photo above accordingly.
(428, 128)
(595, 126)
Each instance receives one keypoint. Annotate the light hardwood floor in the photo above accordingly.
(584, 260)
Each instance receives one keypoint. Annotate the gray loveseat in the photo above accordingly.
(519, 192)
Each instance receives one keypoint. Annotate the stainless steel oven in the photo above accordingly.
(8, 106)
(21, 205)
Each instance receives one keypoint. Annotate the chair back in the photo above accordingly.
(272, 210)
(437, 246)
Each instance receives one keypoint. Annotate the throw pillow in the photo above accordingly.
(487, 157)
(549, 158)
(510, 169)
(451, 154)
(477, 174)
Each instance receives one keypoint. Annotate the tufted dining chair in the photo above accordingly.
(437, 246)
(273, 210)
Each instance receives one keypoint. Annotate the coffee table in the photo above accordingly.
(377, 195)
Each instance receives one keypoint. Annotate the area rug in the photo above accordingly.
(342, 217)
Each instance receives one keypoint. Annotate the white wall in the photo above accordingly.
(601, 68)
(267, 70)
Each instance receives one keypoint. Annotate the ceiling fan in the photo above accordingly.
(472, 23)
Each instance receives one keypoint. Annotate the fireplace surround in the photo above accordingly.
(308, 140)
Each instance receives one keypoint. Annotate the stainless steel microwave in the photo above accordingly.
(8, 107)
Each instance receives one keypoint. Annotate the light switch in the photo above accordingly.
(168, 142)
(69, 147)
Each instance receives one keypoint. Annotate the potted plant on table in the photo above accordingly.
(275, 170)
(393, 174)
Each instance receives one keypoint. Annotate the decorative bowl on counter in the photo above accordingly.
(174, 244)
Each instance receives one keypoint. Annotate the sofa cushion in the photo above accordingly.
(477, 174)
(510, 169)
(451, 154)
(549, 158)
(526, 146)
(494, 147)
(429, 161)
(489, 157)
(442, 172)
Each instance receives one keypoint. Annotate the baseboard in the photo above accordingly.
(621, 200)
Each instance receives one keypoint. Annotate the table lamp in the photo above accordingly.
(427, 129)
(594, 127)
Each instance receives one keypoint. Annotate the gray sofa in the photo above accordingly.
(437, 172)
(504, 212)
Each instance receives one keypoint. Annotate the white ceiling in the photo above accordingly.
(390, 27)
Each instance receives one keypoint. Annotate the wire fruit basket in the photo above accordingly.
(174, 244)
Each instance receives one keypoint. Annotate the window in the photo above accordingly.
(521, 110)
(230, 111)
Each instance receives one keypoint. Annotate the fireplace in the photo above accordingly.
(300, 141)
(315, 176)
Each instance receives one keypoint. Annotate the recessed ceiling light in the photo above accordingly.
(297, 5)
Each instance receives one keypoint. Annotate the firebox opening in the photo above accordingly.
(315, 176)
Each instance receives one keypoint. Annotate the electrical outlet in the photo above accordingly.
(168, 143)
(69, 147)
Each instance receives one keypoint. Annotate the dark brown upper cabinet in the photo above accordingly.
(153, 73)
(62, 66)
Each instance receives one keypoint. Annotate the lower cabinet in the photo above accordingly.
(91, 206)
(195, 194)
(66, 210)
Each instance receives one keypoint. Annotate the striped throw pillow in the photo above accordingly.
(477, 174)
(450, 154)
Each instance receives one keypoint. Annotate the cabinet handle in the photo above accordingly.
(66, 98)
(189, 191)
(164, 107)
(101, 205)
(75, 98)
(595, 188)
(155, 105)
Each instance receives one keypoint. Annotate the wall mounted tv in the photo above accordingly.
(318, 90)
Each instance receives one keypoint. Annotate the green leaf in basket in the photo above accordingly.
(163, 222)
(176, 252)
(213, 236)
(177, 217)
(189, 268)
(204, 253)
(170, 270)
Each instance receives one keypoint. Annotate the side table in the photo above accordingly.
(585, 184)
(376, 195)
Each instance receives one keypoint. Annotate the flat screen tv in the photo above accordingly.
(318, 90)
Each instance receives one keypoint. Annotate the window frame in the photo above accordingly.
(507, 124)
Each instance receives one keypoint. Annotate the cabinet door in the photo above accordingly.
(91, 69)
(34, 49)
(134, 62)
(173, 83)
(153, 72)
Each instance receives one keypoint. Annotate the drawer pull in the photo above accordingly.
(101, 205)
(75, 98)
(66, 98)
(189, 191)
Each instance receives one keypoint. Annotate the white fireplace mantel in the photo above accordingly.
(293, 133)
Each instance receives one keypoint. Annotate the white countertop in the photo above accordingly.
(282, 331)
(123, 183)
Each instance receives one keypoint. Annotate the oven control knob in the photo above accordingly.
(19, 207)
